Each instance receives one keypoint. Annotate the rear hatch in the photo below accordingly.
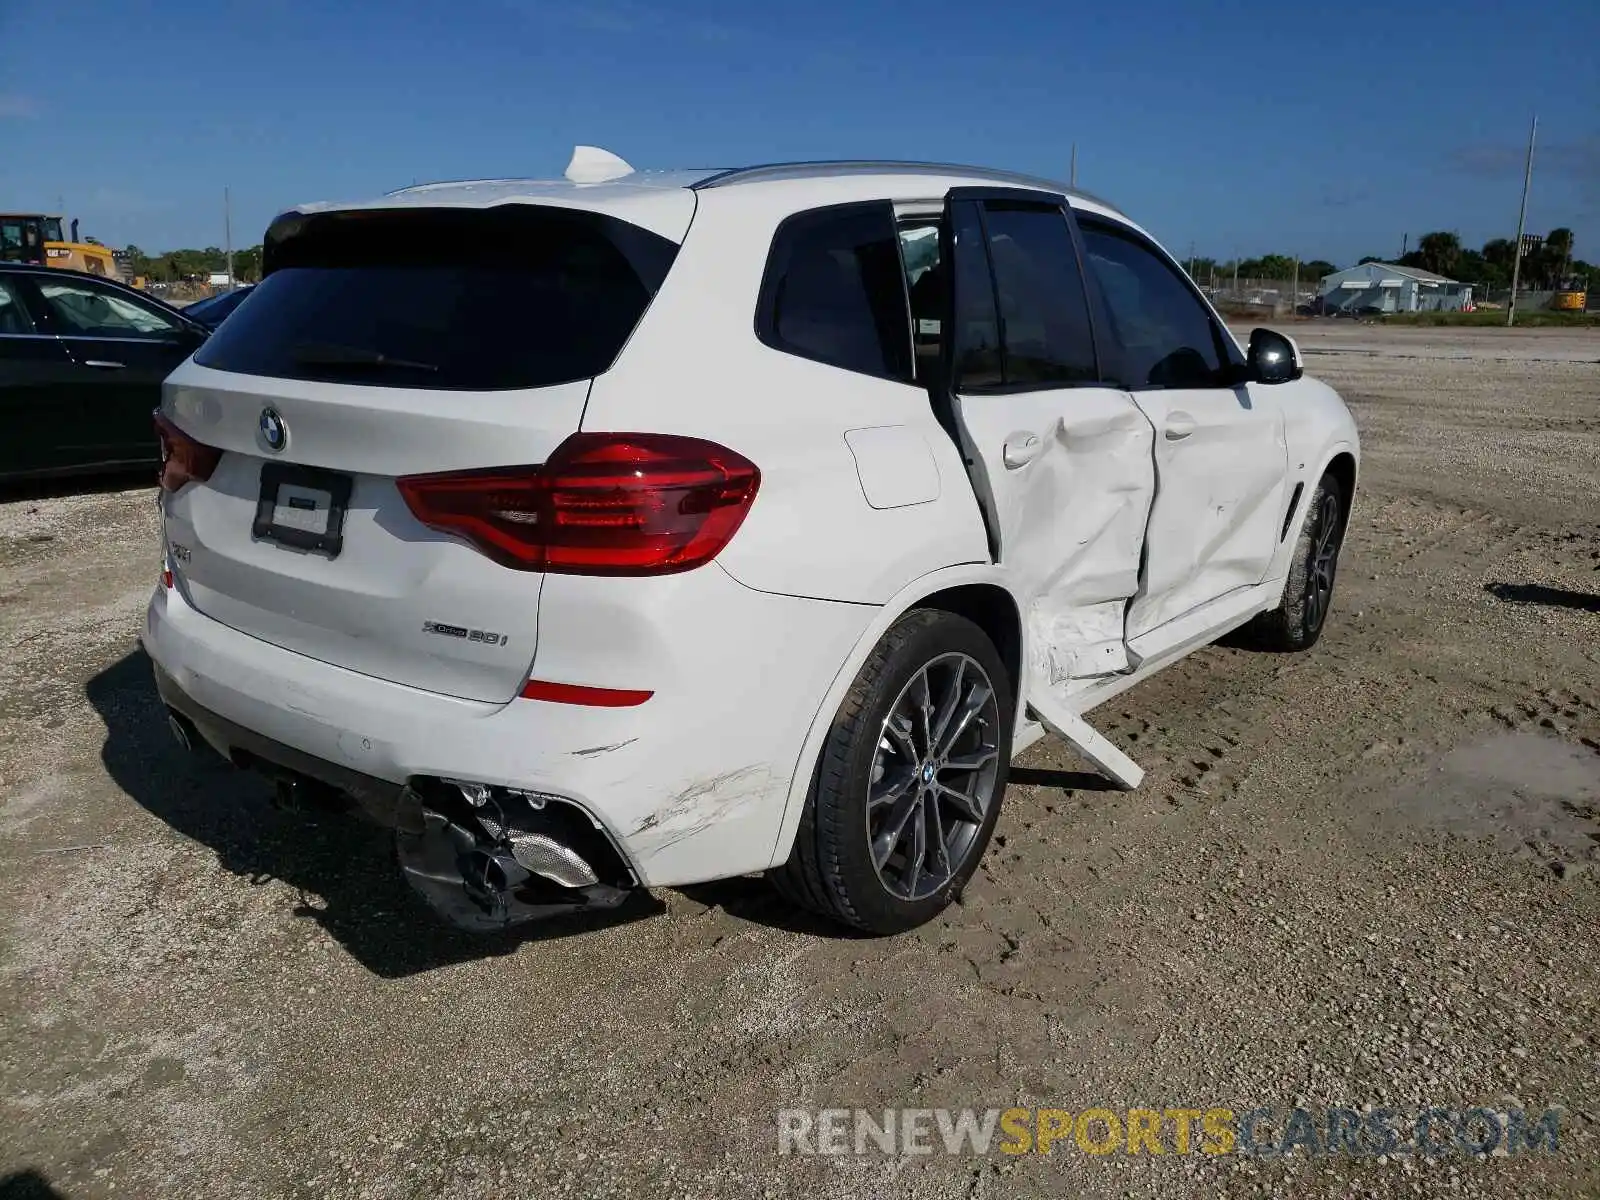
(383, 344)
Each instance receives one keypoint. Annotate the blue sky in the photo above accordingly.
(1243, 127)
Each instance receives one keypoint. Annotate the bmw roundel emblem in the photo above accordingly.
(273, 431)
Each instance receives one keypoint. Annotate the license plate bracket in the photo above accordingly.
(302, 507)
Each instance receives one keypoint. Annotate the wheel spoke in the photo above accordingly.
(897, 729)
(922, 697)
(947, 708)
(891, 787)
(975, 761)
(967, 807)
(894, 828)
(977, 698)
(919, 846)
(938, 847)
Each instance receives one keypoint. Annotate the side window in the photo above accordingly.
(926, 282)
(835, 291)
(1167, 336)
(1044, 312)
(977, 360)
(14, 316)
(83, 310)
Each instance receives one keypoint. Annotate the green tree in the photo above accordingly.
(1317, 268)
(247, 264)
(1558, 251)
(1438, 252)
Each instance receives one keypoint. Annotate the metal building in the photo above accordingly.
(1386, 288)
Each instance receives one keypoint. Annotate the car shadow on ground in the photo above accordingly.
(1537, 593)
(1066, 781)
(27, 1185)
(17, 491)
(344, 868)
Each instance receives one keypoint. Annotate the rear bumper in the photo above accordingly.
(689, 786)
(378, 799)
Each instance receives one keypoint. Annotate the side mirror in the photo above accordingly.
(1273, 358)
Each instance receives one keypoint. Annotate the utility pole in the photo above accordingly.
(1074, 164)
(1294, 295)
(227, 232)
(1522, 223)
(1405, 244)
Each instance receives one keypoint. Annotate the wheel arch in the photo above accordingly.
(974, 591)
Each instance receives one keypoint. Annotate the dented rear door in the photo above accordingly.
(1061, 462)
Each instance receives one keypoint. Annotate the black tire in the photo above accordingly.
(831, 868)
(1302, 614)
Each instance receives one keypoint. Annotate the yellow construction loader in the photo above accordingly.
(39, 238)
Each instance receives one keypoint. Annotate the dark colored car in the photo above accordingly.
(213, 310)
(82, 359)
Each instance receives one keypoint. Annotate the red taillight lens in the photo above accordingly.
(182, 458)
(604, 504)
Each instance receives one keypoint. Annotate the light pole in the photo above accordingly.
(1522, 222)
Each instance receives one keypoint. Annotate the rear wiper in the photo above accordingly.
(329, 354)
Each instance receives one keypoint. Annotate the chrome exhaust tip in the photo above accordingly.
(180, 730)
(549, 859)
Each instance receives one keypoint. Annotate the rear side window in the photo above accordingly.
(518, 296)
(835, 291)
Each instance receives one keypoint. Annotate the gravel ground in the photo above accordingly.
(1364, 876)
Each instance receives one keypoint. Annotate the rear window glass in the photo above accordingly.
(512, 297)
(835, 291)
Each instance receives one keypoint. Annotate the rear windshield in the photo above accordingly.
(473, 300)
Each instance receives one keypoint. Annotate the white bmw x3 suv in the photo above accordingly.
(642, 529)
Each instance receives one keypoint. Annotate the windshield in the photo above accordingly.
(513, 297)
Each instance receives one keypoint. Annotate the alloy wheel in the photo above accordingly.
(1324, 561)
(933, 776)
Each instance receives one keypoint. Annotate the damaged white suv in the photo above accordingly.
(642, 529)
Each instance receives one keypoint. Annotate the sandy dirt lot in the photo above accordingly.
(1364, 876)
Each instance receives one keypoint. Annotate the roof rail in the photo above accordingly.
(800, 169)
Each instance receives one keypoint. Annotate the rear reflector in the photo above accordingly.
(182, 458)
(572, 693)
(604, 504)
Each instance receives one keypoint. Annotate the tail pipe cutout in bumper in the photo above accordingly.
(487, 858)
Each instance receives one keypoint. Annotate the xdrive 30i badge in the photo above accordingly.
(465, 634)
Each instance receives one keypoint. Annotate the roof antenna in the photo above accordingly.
(590, 164)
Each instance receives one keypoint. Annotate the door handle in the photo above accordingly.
(103, 364)
(1179, 426)
(1021, 450)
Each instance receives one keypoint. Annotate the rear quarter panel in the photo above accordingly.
(695, 367)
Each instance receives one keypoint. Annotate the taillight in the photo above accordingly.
(182, 458)
(604, 504)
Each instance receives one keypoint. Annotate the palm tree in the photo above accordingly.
(1439, 252)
